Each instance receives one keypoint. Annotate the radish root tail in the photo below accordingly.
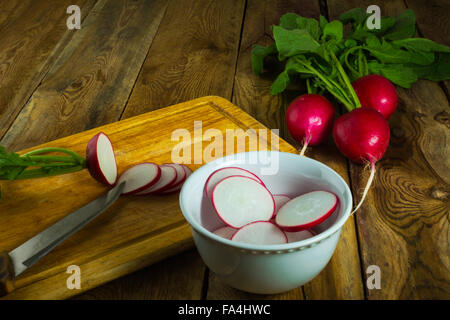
(305, 145)
(366, 189)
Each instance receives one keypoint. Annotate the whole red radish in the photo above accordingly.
(362, 135)
(377, 92)
(309, 119)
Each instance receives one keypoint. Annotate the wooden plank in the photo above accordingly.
(163, 280)
(25, 59)
(403, 225)
(135, 231)
(193, 54)
(342, 277)
(91, 80)
(433, 21)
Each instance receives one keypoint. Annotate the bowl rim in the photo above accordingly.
(272, 247)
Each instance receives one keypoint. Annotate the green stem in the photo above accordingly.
(346, 80)
(308, 86)
(48, 159)
(75, 155)
(40, 173)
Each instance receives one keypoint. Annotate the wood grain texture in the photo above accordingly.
(90, 82)
(404, 223)
(7, 278)
(193, 55)
(161, 281)
(135, 231)
(25, 59)
(342, 277)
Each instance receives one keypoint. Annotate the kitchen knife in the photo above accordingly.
(27, 254)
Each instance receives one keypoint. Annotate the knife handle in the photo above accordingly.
(6, 274)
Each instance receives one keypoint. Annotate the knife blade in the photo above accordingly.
(31, 251)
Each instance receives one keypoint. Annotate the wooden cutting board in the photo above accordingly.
(135, 231)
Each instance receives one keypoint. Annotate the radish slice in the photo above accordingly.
(140, 177)
(260, 232)
(306, 211)
(181, 174)
(188, 170)
(240, 200)
(300, 235)
(225, 232)
(178, 187)
(223, 173)
(101, 161)
(280, 200)
(168, 176)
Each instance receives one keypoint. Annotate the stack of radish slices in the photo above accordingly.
(252, 214)
(142, 179)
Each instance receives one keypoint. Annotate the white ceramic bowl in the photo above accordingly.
(266, 269)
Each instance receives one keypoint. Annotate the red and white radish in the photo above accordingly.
(225, 232)
(377, 92)
(299, 236)
(306, 211)
(223, 173)
(239, 200)
(181, 177)
(362, 136)
(260, 232)
(100, 159)
(177, 187)
(140, 177)
(309, 119)
(167, 178)
(280, 200)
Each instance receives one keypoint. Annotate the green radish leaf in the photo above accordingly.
(421, 44)
(259, 53)
(280, 83)
(310, 25)
(398, 74)
(350, 43)
(334, 30)
(386, 53)
(293, 42)
(356, 15)
(404, 27)
(288, 21)
(437, 71)
(322, 22)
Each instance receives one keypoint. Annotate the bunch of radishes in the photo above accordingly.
(252, 214)
(141, 179)
(362, 135)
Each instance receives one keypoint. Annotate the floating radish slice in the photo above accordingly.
(225, 232)
(260, 232)
(168, 176)
(300, 235)
(306, 211)
(240, 200)
(280, 200)
(101, 161)
(223, 173)
(140, 177)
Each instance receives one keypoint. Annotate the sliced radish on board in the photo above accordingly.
(260, 232)
(140, 177)
(177, 186)
(101, 161)
(168, 176)
(188, 170)
(225, 232)
(306, 211)
(300, 235)
(181, 174)
(280, 200)
(239, 200)
(223, 173)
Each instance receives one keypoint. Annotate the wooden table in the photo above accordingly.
(131, 57)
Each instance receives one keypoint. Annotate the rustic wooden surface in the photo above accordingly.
(131, 57)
